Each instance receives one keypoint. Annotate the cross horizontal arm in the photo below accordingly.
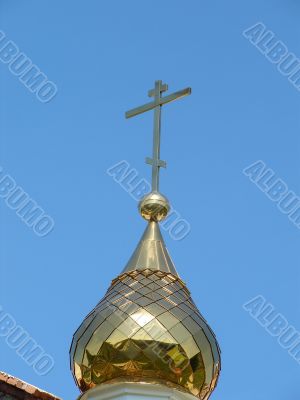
(163, 100)
(140, 110)
(158, 163)
(176, 95)
(163, 88)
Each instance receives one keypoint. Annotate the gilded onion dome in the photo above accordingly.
(147, 327)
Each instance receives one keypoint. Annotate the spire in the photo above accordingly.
(151, 252)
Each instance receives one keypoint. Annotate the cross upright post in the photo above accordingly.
(155, 161)
(158, 102)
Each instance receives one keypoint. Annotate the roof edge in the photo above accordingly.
(17, 387)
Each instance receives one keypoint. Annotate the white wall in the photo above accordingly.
(134, 391)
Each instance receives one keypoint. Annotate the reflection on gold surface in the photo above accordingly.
(142, 317)
(146, 328)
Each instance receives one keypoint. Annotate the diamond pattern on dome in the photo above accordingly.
(146, 328)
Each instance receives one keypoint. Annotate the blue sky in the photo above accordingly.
(104, 56)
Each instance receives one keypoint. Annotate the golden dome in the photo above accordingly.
(147, 329)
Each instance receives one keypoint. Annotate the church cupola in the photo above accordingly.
(146, 335)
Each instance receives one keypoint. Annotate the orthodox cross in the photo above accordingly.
(158, 102)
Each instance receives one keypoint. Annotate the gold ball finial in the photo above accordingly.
(154, 207)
